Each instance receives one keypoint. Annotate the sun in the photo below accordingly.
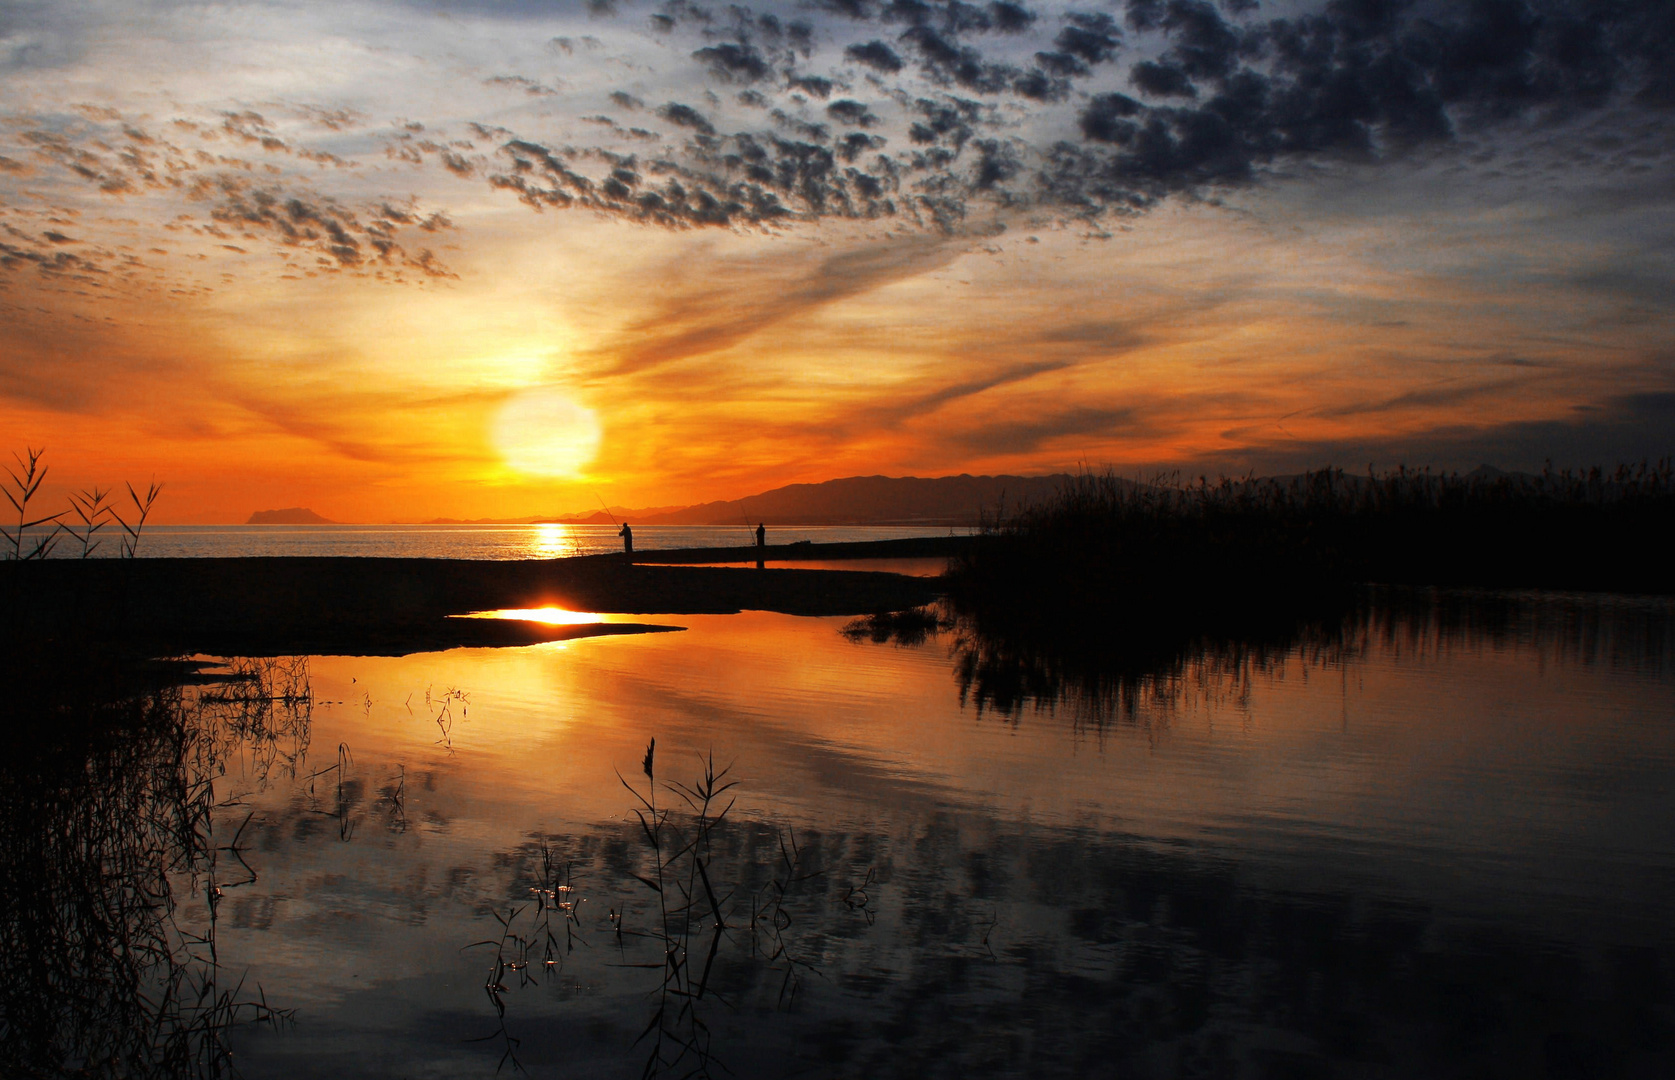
(544, 432)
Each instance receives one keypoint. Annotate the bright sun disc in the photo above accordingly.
(546, 433)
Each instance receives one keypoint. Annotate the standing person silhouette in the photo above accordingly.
(761, 535)
(627, 535)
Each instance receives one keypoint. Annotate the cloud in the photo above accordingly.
(1214, 99)
(734, 62)
(519, 82)
(946, 62)
(701, 321)
(1022, 436)
(1454, 393)
(1184, 98)
(1162, 80)
(853, 113)
(1010, 18)
(1090, 38)
(905, 405)
(1617, 428)
(876, 55)
(686, 116)
(966, 111)
(337, 420)
(813, 84)
(343, 238)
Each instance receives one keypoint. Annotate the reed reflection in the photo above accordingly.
(955, 944)
(117, 851)
(1127, 669)
(727, 918)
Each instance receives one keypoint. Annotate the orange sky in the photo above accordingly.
(271, 262)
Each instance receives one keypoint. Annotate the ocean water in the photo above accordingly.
(461, 541)
(1437, 840)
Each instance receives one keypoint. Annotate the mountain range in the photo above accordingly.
(853, 500)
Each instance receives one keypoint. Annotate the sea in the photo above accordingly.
(549, 541)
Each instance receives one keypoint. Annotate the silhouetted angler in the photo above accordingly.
(627, 535)
(761, 535)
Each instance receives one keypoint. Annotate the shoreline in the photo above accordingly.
(365, 605)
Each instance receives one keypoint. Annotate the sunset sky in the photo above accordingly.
(399, 260)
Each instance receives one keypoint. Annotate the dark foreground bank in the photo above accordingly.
(276, 606)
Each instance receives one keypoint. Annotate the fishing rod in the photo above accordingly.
(607, 509)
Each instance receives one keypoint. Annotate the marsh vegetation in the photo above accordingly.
(1107, 549)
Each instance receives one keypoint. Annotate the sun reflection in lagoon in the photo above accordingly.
(555, 616)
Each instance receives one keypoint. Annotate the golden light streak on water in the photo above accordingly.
(555, 616)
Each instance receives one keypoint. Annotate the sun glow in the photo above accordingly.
(544, 432)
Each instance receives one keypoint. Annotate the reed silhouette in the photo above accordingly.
(909, 627)
(24, 483)
(31, 538)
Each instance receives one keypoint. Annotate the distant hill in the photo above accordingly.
(867, 500)
(295, 515)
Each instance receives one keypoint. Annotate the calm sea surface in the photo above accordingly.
(462, 541)
(1436, 841)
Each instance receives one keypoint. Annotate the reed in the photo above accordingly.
(90, 507)
(92, 514)
(131, 528)
(1108, 547)
(910, 627)
(441, 708)
(23, 483)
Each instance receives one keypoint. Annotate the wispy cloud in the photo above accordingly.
(753, 295)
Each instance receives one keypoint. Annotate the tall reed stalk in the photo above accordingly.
(23, 484)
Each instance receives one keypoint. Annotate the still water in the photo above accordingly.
(551, 541)
(1435, 841)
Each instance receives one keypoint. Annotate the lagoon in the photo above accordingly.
(1433, 840)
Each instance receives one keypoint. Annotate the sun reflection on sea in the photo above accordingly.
(552, 541)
